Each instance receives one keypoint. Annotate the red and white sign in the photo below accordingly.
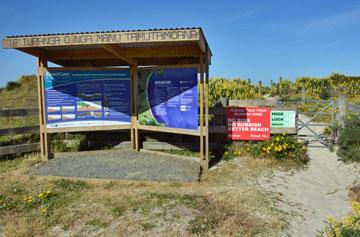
(248, 123)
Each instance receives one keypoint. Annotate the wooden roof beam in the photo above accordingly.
(118, 52)
(102, 53)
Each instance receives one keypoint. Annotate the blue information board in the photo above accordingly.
(75, 98)
(168, 97)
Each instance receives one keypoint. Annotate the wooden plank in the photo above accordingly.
(113, 51)
(90, 128)
(170, 130)
(17, 149)
(98, 38)
(119, 62)
(19, 130)
(18, 112)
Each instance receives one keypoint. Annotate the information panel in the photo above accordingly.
(248, 123)
(75, 98)
(168, 97)
(283, 119)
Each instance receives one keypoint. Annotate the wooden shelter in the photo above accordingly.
(178, 47)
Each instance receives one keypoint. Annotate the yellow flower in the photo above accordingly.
(28, 199)
(356, 207)
(43, 210)
(277, 139)
(348, 220)
(332, 220)
(272, 144)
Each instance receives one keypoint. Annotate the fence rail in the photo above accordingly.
(354, 108)
(19, 148)
(18, 112)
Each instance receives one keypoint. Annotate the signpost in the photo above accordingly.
(248, 123)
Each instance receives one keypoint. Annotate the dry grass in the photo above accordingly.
(227, 202)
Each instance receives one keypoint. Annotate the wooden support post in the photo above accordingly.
(134, 109)
(45, 143)
(206, 165)
(201, 122)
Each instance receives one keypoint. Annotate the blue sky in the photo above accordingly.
(258, 39)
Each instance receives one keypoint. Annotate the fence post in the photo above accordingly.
(342, 102)
(303, 91)
(259, 93)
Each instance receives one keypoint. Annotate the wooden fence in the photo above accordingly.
(217, 125)
(20, 148)
(354, 108)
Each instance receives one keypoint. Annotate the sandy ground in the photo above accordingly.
(313, 194)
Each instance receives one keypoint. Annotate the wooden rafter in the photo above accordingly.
(118, 52)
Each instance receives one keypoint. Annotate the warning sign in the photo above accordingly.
(248, 123)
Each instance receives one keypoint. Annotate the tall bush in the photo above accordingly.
(349, 139)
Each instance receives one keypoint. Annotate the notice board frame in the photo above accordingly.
(202, 132)
(84, 128)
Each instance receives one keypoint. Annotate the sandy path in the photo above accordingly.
(312, 194)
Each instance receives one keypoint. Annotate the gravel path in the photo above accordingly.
(121, 164)
(312, 194)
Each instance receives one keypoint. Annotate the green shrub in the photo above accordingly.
(349, 226)
(60, 144)
(10, 85)
(349, 139)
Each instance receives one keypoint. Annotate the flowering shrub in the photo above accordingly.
(278, 147)
(281, 147)
(348, 226)
(42, 200)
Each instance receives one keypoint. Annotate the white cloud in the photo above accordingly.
(242, 15)
(331, 23)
